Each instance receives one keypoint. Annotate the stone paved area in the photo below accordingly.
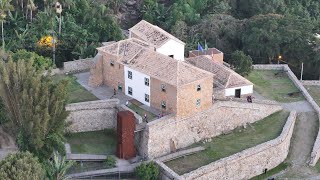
(101, 92)
(300, 106)
(105, 92)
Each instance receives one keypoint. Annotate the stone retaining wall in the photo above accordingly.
(92, 115)
(169, 133)
(315, 154)
(311, 83)
(78, 65)
(250, 162)
(165, 172)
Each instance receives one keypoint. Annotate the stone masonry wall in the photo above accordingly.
(92, 115)
(188, 95)
(250, 162)
(315, 154)
(78, 65)
(169, 133)
(311, 83)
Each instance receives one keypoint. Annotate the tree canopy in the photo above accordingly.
(35, 106)
(20, 165)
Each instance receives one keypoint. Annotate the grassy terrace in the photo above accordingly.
(95, 142)
(275, 87)
(77, 93)
(314, 92)
(226, 145)
(141, 112)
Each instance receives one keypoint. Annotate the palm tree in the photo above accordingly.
(32, 7)
(57, 168)
(4, 7)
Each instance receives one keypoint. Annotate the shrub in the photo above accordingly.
(147, 171)
(39, 62)
(19, 166)
(110, 162)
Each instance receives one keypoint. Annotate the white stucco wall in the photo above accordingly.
(244, 90)
(139, 89)
(172, 48)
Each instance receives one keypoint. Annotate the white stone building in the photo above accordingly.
(162, 41)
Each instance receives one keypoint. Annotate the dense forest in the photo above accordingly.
(265, 30)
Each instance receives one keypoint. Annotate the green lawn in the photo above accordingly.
(95, 142)
(275, 87)
(77, 93)
(226, 145)
(314, 92)
(141, 112)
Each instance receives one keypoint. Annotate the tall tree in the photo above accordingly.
(241, 62)
(35, 106)
(20, 165)
(5, 6)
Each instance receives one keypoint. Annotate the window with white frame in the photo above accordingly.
(130, 90)
(146, 97)
(198, 102)
(163, 87)
(163, 105)
(199, 87)
(146, 81)
(129, 74)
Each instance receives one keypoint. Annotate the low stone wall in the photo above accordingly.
(311, 83)
(92, 115)
(268, 67)
(166, 173)
(168, 134)
(250, 162)
(78, 65)
(315, 154)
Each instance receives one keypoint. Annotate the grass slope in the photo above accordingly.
(226, 145)
(314, 92)
(77, 93)
(275, 87)
(95, 142)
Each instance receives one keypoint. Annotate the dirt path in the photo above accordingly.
(304, 135)
(7, 144)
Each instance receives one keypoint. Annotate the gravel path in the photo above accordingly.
(304, 135)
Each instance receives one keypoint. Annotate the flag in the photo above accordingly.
(200, 47)
(205, 45)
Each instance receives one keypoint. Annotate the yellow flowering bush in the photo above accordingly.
(46, 41)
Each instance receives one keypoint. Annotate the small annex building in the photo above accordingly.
(157, 38)
(227, 83)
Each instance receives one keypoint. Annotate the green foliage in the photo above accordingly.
(3, 113)
(110, 162)
(20, 165)
(241, 62)
(35, 106)
(147, 171)
(57, 168)
(39, 62)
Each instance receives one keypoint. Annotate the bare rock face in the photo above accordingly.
(129, 13)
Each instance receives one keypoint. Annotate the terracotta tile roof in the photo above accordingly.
(224, 76)
(152, 34)
(138, 56)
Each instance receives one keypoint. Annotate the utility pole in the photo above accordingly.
(301, 72)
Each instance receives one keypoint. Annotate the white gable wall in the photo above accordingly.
(174, 48)
(244, 90)
(139, 89)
